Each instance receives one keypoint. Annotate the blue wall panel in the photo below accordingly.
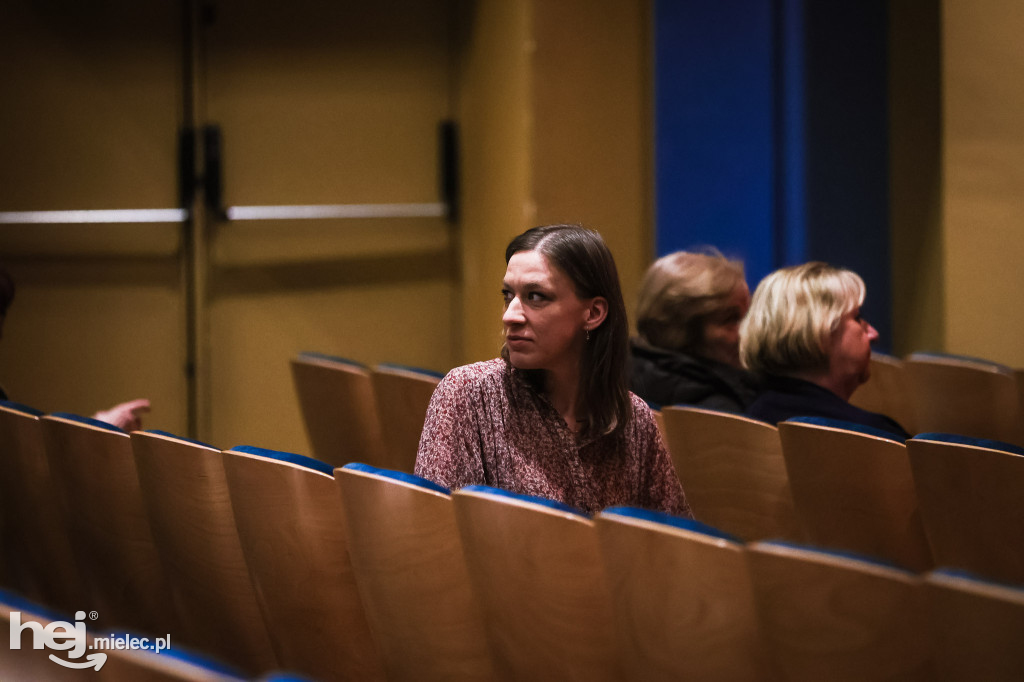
(714, 123)
(771, 125)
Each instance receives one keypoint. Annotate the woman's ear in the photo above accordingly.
(596, 312)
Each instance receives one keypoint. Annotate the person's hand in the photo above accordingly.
(127, 416)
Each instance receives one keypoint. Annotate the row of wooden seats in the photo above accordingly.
(269, 559)
(933, 392)
(354, 412)
(936, 500)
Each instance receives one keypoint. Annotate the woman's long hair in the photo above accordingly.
(584, 257)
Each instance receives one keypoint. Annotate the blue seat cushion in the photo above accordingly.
(18, 602)
(411, 479)
(415, 370)
(18, 407)
(158, 432)
(312, 355)
(291, 457)
(976, 578)
(957, 439)
(674, 521)
(185, 655)
(846, 554)
(846, 426)
(533, 499)
(87, 420)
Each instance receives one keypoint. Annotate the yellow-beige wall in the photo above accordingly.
(326, 106)
(983, 178)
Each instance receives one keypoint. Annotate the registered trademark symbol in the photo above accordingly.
(93, 615)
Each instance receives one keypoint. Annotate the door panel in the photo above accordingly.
(92, 108)
(324, 103)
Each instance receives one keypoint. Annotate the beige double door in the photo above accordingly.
(324, 109)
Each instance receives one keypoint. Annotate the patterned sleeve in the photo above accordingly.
(449, 452)
(665, 492)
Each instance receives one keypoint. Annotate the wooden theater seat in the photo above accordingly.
(186, 495)
(733, 472)
(854, 490)
(291, 525)
(338, 409)
(408, 561)
(538, 574)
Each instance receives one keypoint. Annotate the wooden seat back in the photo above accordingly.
(733, 472)
(854, 490)
(408, 561)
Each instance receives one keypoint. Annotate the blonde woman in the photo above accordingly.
(806, 337)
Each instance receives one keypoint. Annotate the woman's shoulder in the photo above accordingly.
(486, 373)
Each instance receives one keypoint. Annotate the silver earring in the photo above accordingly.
(587, 331)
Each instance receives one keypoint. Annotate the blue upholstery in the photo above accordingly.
(285, 677)
(654, 406)
(18, 407)
(873, 560)
(185, 655)
(301, 460)
(961, 574)
(674, 521)
(19, 603)
(312, 355)
(671, 520)
(87, 420)
(926, 355)
(411, 479)
(533, 499)
(846, 426)
(957, 439)
(415, 370)
(181, 438)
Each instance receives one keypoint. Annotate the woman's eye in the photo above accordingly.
(536, 296)
(506, 295)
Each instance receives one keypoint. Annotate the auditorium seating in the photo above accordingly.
(35, 530)
(186, 495)
(682, 600)
(854, 490)
(362, 572)
(829, 616)
(338, 409)
(977, 625)
(537, 571)
(93, 467)
(970, 495)
(887, 391)
(408, 561)
(968, 396)
(291, 525)
(402, 395)
(733, 472)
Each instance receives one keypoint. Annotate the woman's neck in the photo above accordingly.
(562, 389)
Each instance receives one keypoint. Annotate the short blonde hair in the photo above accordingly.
(792, 316)
(679, 292)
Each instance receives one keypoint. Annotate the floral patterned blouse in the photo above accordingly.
(487, 425)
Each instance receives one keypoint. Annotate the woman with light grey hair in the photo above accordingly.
(805, 337)
(688, 318)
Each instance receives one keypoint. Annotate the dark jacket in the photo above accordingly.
(785, 397)
(663, 378)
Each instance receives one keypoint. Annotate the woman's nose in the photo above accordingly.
(872, 333)
(513, 312)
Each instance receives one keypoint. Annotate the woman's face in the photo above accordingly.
(544, 319)
(721, 336)
(850, 353)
